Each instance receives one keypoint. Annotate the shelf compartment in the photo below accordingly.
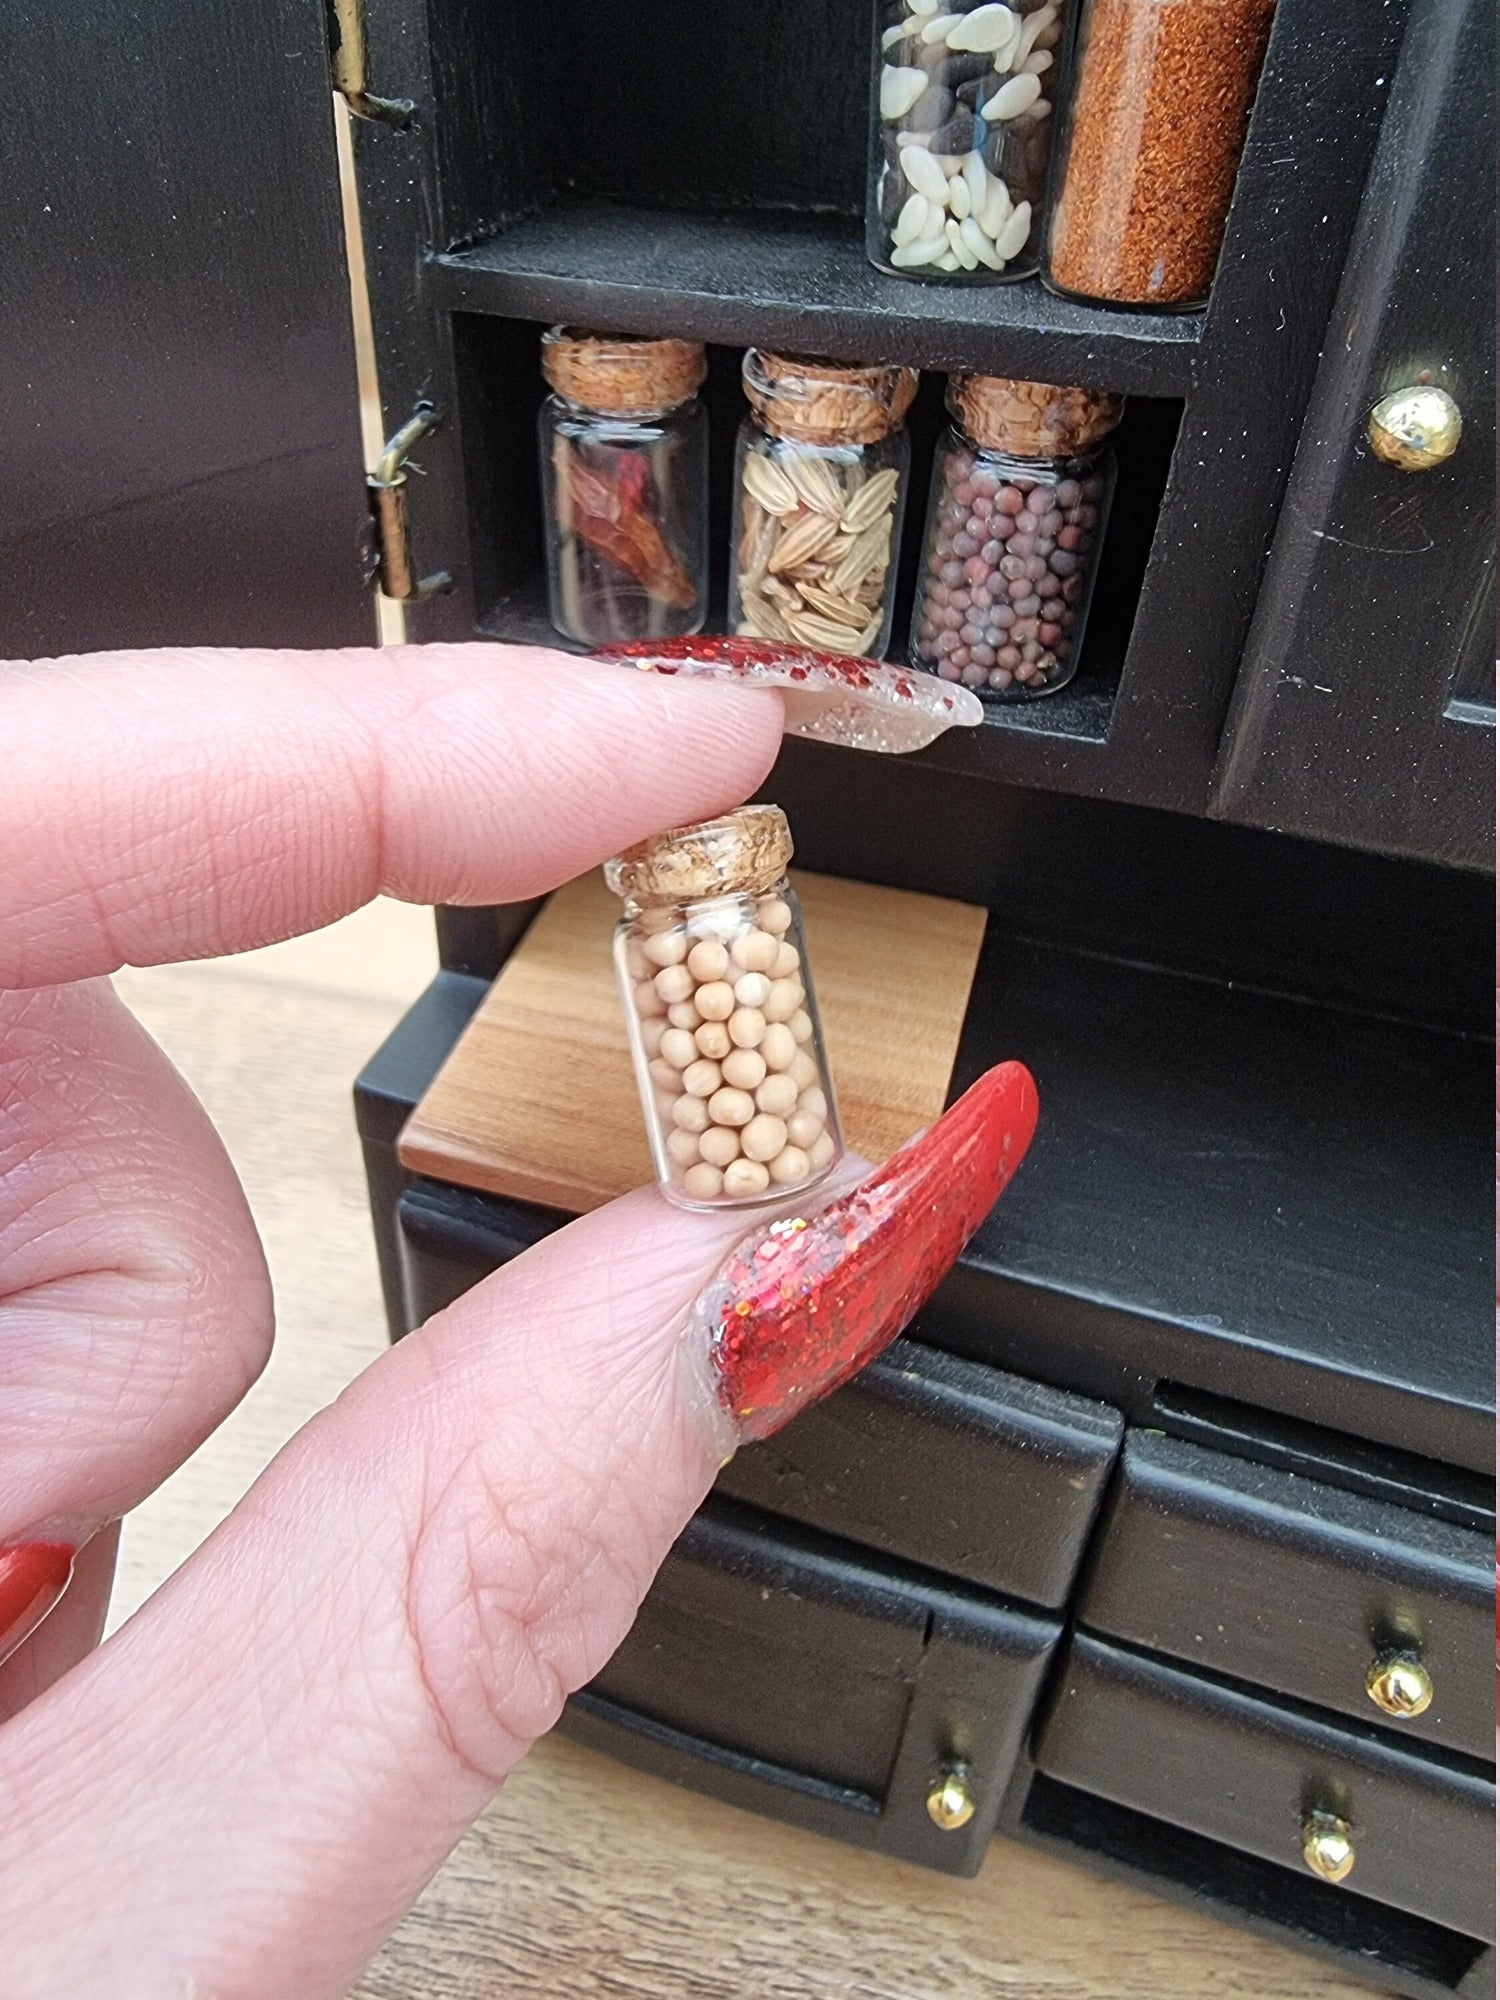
(1059, 740)
(802, 282)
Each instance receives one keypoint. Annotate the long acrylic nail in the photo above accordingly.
(803, 1303)
(860, 704)
(33, 1576)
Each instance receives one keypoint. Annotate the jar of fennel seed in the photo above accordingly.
(724, 1032)
(1021, 486)
(820, 477)
(1150, 147)
(624, 454)
(961, 136)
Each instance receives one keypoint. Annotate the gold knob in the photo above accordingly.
(1399, 1685)
(950, 1803)
(1328, 1845)
(1415, 429)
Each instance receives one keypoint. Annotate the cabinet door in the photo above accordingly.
(1364, 710)
(181, 432)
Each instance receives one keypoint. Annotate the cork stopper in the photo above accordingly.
(1032, 419)
(814, 401)
(744, 854)
(620, 376)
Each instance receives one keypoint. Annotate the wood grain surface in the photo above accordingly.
(587, 1881)
(537, 1100)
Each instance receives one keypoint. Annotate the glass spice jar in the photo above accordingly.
(724, 1031)
(1021, 486)
(961, 136)
(1146, 165)
(624, 450)
(820, 478)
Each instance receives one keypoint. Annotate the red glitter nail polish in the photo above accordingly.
(861, 704)
(804, 1303)
(33, 1576)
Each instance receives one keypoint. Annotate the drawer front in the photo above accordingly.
(806, 1679)
(948, 1463)
(1296, 1586)
(1248, 1772)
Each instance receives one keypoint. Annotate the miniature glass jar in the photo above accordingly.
(624, 450)
(1151, 145)
(724, 1030)
(1021, 486)
(820, 478)
(961, 125)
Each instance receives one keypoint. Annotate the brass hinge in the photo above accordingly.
(395, 571)
(349, 63)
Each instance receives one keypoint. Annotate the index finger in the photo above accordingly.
(172, 805)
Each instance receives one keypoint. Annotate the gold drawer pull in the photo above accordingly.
(950, 1803)
(1399, 1685)
(1415, 429)
(1328, 1846)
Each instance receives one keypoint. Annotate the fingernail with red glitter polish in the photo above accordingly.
(861, 704)
(33, 1576)
(806, 1301)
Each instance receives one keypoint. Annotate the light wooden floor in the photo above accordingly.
(588, 1882)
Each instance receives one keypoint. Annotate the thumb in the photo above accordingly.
(241, 1793)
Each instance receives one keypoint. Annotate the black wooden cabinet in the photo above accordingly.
(1239, 925)
(1364, 709)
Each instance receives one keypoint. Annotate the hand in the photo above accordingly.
(241, 1793)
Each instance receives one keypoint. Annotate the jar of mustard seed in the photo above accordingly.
(724, 1032)
(1021, 486)
(820, 478)
(1150, 147)
(624, 451)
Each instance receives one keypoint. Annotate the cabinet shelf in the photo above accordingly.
(800, 282)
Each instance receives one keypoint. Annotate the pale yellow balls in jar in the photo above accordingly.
(708, 961)
(763, 1138)
(719, 1145)
(713, 1040)
(725, 1036)
(754, 951)
(778, 1094)
(744, 1068)
(715, 1001)
(745, 1177)
(702, 1078)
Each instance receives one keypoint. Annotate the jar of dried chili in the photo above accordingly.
(1151, 144)
(624, 447)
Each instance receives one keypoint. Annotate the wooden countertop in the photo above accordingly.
(587, 1881)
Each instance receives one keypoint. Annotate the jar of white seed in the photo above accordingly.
(820, 477)
(724, 1032)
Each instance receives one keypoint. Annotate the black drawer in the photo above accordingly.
(808, 1679)
(948, 1463)
(1247, 1771)
(1295, 1586)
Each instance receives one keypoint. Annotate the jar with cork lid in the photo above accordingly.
(724, 1032)
(1021, 486)
(820, 478)
(624, 454)
(1150, 147)
(962, 135)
